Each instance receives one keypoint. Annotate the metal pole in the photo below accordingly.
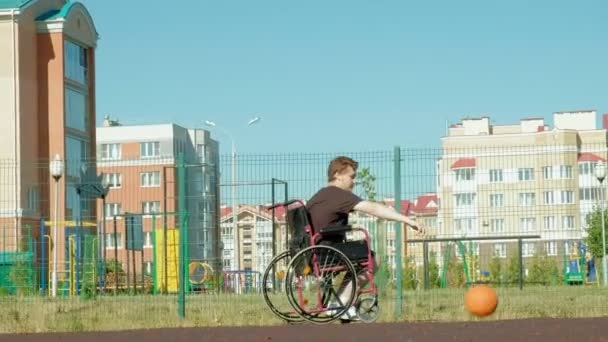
(398, 232)
(521, 264)
(181, 180)
(55, 239)
(604, 261)
(425, 255)
(42, 257)
(235, 227)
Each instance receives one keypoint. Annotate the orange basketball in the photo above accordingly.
(481, 301)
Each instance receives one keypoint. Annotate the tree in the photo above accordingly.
(433, 270)
(368, 183)
(543, 270)
(495, 270)
(512, 274)
(594, 231)
(409, 280)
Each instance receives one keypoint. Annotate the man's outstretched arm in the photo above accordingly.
(384, 212)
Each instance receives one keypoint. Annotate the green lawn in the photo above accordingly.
(34, 314)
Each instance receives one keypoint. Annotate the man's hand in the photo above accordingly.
(418, 227)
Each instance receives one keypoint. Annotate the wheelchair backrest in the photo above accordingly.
(297, 220)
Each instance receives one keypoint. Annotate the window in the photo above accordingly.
(150, 149)
(565, 171)
(465, 199)
(527, 224)
(591, 194)
(113, 240)
(75, 62)
(500, 250)
(496, 176)
(548, 197)
(528, 249)
(464, 225)
(147, 239)
(148, 267)
(525, 174)
(32, 198)
(150, 179)
(114, 180)
(77, 151)
(527, 199)
(200, 152)
(464, 174)
(113, 209)
(226, 264)
(586, 168)
(548, 172)
(567, 197)
(568, 222)
(497, 225)
(150, 207)
(110, 151)
(549, 223)
(497, 200)
(551, 248)
(76, 112)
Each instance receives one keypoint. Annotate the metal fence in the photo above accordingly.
(155, 245)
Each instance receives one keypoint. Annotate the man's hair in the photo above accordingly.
(340, 164)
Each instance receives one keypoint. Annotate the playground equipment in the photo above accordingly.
(579, 266)
(469, 264)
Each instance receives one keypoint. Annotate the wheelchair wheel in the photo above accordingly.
(274, 289)
(368, 309)
(316, 279)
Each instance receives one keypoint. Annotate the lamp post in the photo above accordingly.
(251, 122)
(56, 170)
(600, 174)
(105, 184)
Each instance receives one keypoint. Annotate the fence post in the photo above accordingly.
(425, 255)
(398, 231)
(154, 264)
(521, 265)
(181, 186)
(42, 257)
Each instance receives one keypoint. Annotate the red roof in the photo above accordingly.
(422, 204)
(406, 206)
(464, 163)
(589, 157)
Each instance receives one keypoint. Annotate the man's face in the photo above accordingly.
(346, 178)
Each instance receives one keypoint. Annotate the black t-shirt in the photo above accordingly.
(330, 207)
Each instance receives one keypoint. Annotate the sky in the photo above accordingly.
(346, 75)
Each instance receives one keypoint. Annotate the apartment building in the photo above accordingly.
(522, 179)
(255, 237)
(138, 163)
(47, 106)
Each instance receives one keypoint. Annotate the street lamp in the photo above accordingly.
(251, 122)
(56, 170)
(600, 174)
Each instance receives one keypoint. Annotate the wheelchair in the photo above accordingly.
(314, 274)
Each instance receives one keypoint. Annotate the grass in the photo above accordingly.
(35, 314)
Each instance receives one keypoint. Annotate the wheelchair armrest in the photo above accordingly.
(335, 229)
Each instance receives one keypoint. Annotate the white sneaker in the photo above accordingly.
(350, 315)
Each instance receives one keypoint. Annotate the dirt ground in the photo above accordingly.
(595, 329)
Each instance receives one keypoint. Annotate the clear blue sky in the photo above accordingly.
(347, 75)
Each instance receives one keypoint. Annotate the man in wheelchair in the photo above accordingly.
(329, 209)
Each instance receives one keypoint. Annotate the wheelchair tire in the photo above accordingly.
(274, 293)
(315, 277)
